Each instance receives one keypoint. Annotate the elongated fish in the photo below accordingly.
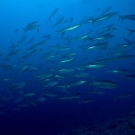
(125, 95)
(105, 84)
(59, 21)
(53, 13)
(105, 11)
(69, 28)
(130, 31)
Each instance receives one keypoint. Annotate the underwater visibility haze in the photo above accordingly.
(65, 64)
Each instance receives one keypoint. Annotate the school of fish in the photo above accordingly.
(64, 62)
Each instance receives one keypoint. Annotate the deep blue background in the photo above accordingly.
(53, 116)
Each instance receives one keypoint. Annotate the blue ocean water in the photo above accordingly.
(65, 64)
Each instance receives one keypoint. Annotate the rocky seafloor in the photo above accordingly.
(125, 126)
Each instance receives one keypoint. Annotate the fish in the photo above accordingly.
(69, 54)
(121, 46)
(7, 79)
(50, 84)
(42, 42)
(102, 37)
(76, 83)
(41, 99)
(119, 71)
(105, 84)
(130, 31)
(65, 21)
(31, 68)
(46, 36)
(16, 30)
(23, 39)
(83, 37)
(23, 69)
(97, 46)
(7, 66)
(105, 11)
(69, 28)
(71, 19)
(125, 95)
(97, 92)
(60, 77)
(32, 102)
(24, 56)
(31, 26)
(81, 75)
(49, 94)
(19, 99)
(128, 41)
(67, 60)
(108, 26)
(87, 100)
(14, 46)
(20, 85)
(77, 96)
(59, 47)
(59, 21)
(96, 10)
(14, 52)
(46, 23)
(106, 16)
(53, 13)
(66, 70)
(30, 94)
(124, 57)
(30, 41)
(43, 76)
(128, 17)
(35, 51)
(94, 66)
(131, 77)
(66, 98)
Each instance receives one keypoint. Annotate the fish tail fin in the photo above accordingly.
(93, 21)
(67, 86)
(120, 17)
(130, 31)
(50, 20)
(24, 30)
